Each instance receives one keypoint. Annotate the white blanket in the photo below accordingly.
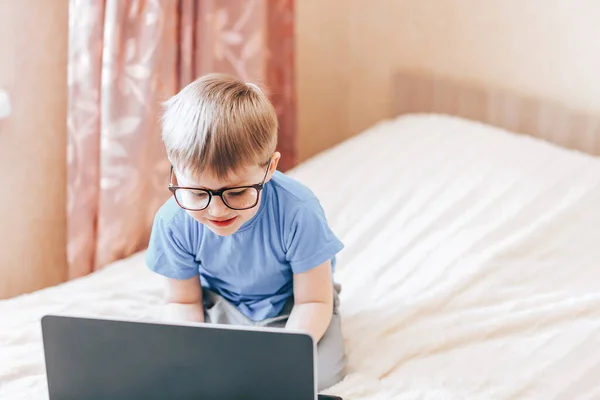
(471, 268)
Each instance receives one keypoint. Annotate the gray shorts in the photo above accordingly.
(331, 354)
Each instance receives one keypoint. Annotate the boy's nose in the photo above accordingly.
(217, 208)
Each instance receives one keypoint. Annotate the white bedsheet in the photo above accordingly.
(471, 268)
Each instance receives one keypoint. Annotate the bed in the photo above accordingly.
(470, 271)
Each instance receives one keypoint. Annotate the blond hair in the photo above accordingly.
(219, 124)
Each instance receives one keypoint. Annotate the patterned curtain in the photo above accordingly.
(126, 57)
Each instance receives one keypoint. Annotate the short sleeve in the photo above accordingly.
(310, 241)
(170, 251)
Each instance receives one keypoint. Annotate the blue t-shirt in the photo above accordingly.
(253, 268)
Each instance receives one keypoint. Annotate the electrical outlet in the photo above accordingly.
(5, 108)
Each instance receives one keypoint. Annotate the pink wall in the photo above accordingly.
(33, 145)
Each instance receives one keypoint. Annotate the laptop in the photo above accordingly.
(100, 359)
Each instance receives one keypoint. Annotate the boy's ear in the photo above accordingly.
(274, 163)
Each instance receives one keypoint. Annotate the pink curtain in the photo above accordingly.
(127, 56)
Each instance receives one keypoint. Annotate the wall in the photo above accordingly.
(348, 51)
(322, 74)
(33, 144)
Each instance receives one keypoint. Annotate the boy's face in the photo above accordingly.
(218, 217)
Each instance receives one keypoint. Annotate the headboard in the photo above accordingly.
(420, 92)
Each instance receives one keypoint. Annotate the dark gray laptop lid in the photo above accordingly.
(97, 359)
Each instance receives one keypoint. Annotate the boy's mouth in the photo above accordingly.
(223, 223)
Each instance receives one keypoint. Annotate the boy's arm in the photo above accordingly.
(184, 301)
(313, 301)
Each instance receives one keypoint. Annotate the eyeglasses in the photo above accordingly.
(237, 198)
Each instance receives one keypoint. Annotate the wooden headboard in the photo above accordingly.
(419, 92)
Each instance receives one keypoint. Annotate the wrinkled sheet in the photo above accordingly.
(471, 268)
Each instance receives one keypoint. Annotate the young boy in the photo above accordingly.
(239, 242)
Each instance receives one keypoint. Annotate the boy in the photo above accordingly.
(239, 242)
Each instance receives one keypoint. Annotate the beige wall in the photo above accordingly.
(348, 51)
(33, 144)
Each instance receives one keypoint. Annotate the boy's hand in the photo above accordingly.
(184, 301)
(177, 312)
(313, 301)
